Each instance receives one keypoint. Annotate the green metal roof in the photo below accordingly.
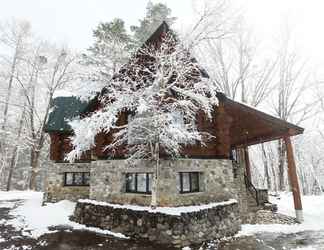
(64, 108)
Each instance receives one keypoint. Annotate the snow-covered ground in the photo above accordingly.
(19, 195)
(313, 209)
(35, 219)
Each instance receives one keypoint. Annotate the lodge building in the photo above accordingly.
(216, 173)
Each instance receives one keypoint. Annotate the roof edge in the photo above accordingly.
(292, 129)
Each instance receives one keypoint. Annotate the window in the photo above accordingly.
(76, 179)
(188, 182)
(139, 183)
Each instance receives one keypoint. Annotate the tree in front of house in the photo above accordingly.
(161, 95)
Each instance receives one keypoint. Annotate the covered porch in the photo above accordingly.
(247, 126)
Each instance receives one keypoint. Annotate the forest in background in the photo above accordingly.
(277, 80)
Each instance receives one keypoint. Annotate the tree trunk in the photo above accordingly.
(155, 182)
(6, 108)
(274, 176)
(15, 151)
(266, 167)
(281, 165)
(34, 162)
(12, 167)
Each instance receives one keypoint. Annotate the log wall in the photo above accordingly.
(217, 147)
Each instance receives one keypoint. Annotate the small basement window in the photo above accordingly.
(139, 183)
(188, 182)
(76, 178)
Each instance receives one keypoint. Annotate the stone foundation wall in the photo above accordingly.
(240, 189)
(54, 183)
(179, 230)
(216, 182)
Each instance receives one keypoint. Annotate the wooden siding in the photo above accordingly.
(232, 125)
(61, 145)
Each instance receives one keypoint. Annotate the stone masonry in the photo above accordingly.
(216, 182)
(179, 230)
(107, 182)
(54, 184)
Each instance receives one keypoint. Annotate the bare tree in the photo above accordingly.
(13, 36)
(236, 67)
(44, 71)
(293, 86)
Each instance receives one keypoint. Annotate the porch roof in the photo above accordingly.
(251, 126)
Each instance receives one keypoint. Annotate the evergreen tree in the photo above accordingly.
(155, 15)
(111, 47)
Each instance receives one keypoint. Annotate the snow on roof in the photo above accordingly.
(62, 93)
(164, 210)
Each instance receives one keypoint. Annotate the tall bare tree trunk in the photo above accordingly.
(11, 77)
(35, 154)
(37, 147)
(266, 166)
(281, 165)
(9, 90)
(14, 156)
(12, 166)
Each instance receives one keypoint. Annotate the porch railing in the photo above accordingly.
(252, 189)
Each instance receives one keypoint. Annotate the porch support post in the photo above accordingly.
(247, 163)
(294, 179)
(222, 132)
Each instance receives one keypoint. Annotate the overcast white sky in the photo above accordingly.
(72, 21)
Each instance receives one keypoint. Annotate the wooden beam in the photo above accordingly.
(257, 139)
(247, 163)
(294, 179)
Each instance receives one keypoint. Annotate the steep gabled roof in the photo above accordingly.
(250, 126)
(64, 109)
(154, 39)
(158, 35)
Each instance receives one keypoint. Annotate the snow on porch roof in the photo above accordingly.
(251, 126)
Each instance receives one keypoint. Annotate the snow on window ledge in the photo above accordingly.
(164, 210)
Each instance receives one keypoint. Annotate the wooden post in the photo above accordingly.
(294, 179)
(247, 163)
(223, 137)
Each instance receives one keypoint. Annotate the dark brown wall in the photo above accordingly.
(216, 147)
(61, 145)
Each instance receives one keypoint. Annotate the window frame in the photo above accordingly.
(147, 183)
(74, 184)
(191, 190)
